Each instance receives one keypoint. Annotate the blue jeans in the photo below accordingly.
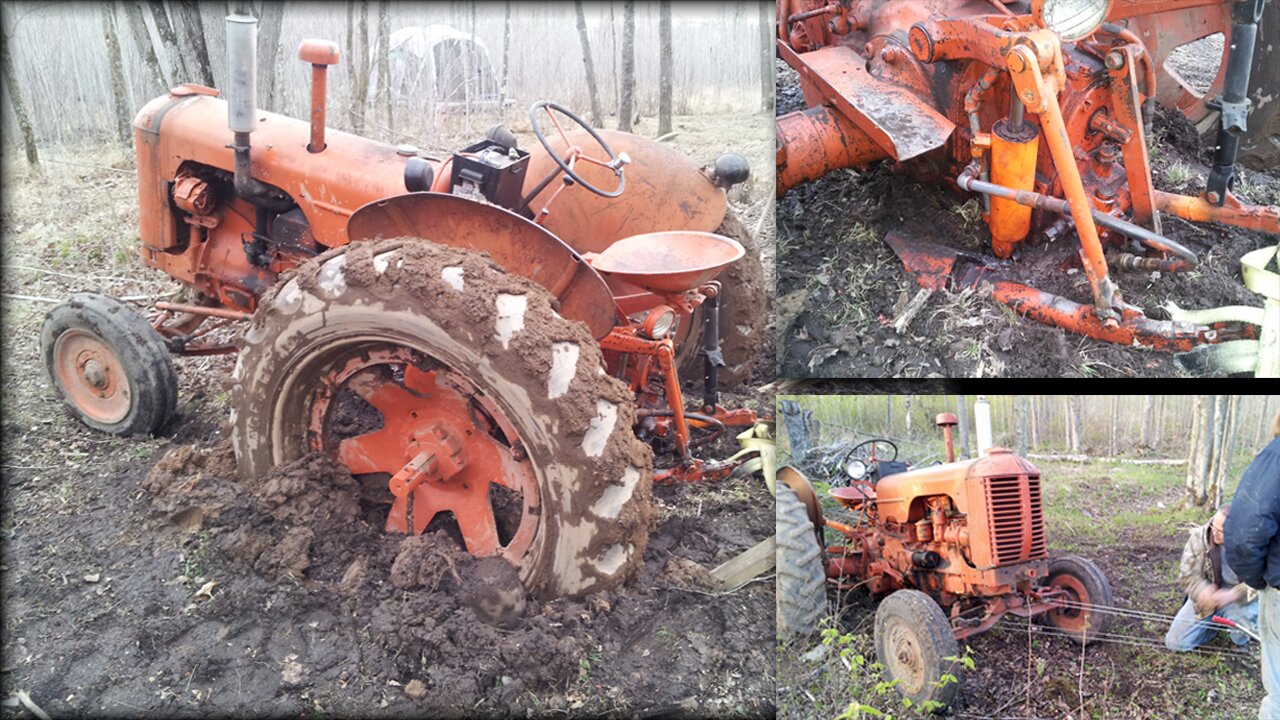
(1189, 632)
(1269, 629)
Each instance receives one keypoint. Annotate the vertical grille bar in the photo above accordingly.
(1016, 518)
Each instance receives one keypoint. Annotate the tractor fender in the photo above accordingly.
(515, 244)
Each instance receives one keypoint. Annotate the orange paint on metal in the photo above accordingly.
(1264, 218)
(514, 243)
(1040, 95)
(92, 376)
(1013, 164)
(320, 54)
(816, 141)
(896, 119)
(665, 191)
(202, 310)
(439, 442)
(668, 262)
(1126, 103)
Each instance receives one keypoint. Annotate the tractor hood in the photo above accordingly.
(665, 191)
(958, 480)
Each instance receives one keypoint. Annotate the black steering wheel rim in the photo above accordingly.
(872, 442)
(614, 161)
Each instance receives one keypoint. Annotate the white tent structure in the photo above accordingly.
(443, 67)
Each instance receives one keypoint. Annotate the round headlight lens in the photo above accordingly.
(1073, 19)
(659, 322)
(856, 469)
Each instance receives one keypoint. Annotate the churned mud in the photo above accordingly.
(175, 588)
(840, 286)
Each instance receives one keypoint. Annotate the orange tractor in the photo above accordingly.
(496, 336)
(949, 549)
(1042, 110)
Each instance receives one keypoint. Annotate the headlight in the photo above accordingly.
(856, 469)
(1071, 19)
(659, 322)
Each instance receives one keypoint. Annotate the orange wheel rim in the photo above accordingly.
(92, 376)
(386, 407)
(1071, 619)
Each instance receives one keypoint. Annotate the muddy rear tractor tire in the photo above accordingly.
(744, 313)
(1087, 585)
(108, 366)
(387, 352)
(1260, 146)
(801, 592)
(913, 641)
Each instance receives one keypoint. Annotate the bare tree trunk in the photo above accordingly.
(506, 58)
(361, 60)
(906, 414)
(1202, 450)
(1147, 407)
(12, 87)
(627, 94)
(962, 413)
(1115, 421)
(115, 65)
(1035, 436)
(1222, 406)
(193, 39)
(349, 56)
(667, 63)
(597, 117)
(1264, 424)
(1222, 460)
(142, 38)
(269, 54)
(888, 414)
(767, 52)
(1073, 422)
(1020, 403)
(178, 73)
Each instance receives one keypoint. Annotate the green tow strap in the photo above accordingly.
(1262, 356)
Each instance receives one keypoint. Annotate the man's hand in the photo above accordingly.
(1216, 597)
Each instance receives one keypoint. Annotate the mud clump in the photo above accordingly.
(192, 485)
(493, 592)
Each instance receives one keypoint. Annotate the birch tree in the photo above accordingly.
(597, 116)
(115, 66)
(142, 40)
(14, 91)
(627, 93)
(666, 60)
(193, 41)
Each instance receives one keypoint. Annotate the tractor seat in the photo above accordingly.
(853, 496)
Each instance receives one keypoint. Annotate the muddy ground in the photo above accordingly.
(840, 285)
(141, 576)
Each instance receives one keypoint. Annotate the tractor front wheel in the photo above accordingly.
(460, 389)
(801, 593)
(913, 642)
(108, 365)
(1086, 587)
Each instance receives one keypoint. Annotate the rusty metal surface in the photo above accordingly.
(514, 243)
(665, 191)
(895, 118)
(816, 141)
(668, 262)
(1264, 218)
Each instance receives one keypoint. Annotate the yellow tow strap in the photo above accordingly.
(758, 439)
(1262, 356)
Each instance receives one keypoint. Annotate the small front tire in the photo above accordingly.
(914, 642)
(1085, 585)
(109, 366)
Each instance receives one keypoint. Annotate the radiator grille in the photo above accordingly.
(1016, 519)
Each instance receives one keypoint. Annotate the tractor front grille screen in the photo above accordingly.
(1016, 518)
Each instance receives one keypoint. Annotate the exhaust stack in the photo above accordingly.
(982, 423)
(321, 54)
(946, 421)
(242, 63)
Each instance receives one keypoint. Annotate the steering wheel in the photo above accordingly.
(616, 161)
(868, 455)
